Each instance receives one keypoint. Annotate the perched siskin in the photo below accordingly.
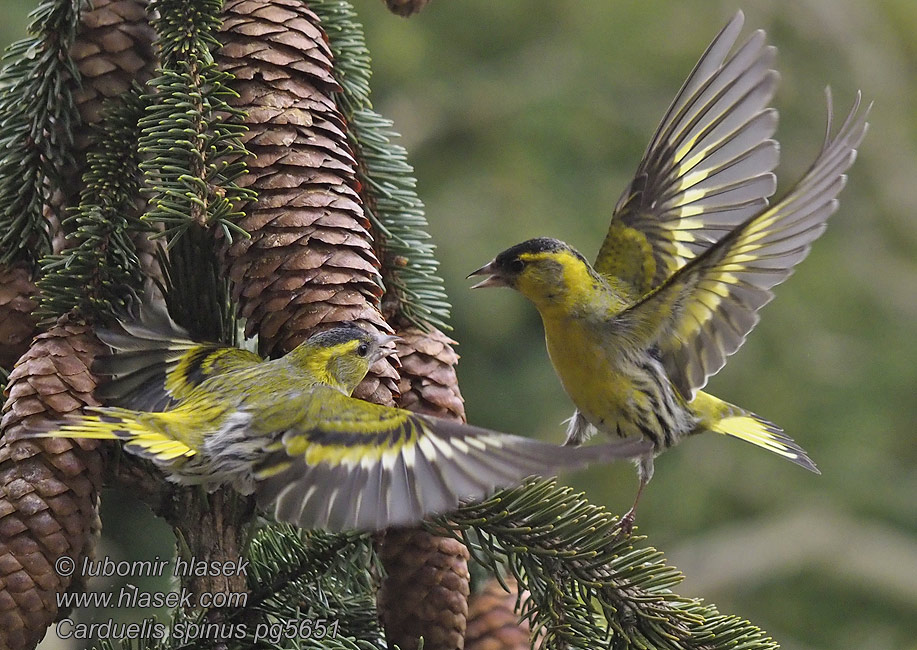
(289, 430)
(690, 256)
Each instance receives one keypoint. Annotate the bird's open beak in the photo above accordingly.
(494, 278)
(386, 346)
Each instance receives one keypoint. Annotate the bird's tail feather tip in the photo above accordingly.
(762, 433)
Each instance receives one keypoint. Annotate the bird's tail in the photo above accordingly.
(731, 420)
(133, 428)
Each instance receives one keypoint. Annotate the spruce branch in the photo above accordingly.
(190, 133)
(101, 270)
(589, 586)
(297, 576)
(196, 290)
(37, 121)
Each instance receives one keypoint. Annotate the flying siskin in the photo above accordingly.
(289, 431)
(691, 255)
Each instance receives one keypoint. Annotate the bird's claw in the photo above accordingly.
(625, 525)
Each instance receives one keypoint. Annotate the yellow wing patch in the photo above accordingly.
(159, 447)
(703, 313)
(706, 170)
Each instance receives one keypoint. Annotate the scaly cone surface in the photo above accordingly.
(48, 488)
(17, 302)
(493, 623)
(425, 591)
(309, 262)
(428, 380)
(113, 49)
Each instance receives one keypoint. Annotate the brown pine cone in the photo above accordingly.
(17, 302)
(113, 48)
(406, 7)
(493, 623)
(428, 380)
(425, 591)
(310, 262)
(48, 488)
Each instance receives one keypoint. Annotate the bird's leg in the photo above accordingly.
(645, 472)
(626, 522)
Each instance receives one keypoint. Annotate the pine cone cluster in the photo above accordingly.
(48, 488)
(309, 262)
(17, 302)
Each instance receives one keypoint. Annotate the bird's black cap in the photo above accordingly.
(341, 333)
(537, 245)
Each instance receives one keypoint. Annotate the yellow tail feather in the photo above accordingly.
(731, 420)
(121, 424)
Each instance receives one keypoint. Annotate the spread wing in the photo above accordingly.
(707, 167)
(703, 313)
(153, 363)
(356, 465)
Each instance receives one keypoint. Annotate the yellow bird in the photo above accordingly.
(690, 257)
(289, 431)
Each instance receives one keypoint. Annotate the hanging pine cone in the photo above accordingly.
(48, 488)
(428, 381)
(406, 7)
(425, 591)
(112, 49)
(17, 302)
(309, 262)
(493, 623)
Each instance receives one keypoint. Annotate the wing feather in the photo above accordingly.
(355, 464)
(709, 306)
(707, 168)
(153, 363)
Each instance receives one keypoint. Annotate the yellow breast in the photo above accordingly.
(588, 368)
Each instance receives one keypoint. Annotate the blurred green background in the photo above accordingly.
(528, 118)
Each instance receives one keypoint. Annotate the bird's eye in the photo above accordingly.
(363, 349)
(517, 265)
